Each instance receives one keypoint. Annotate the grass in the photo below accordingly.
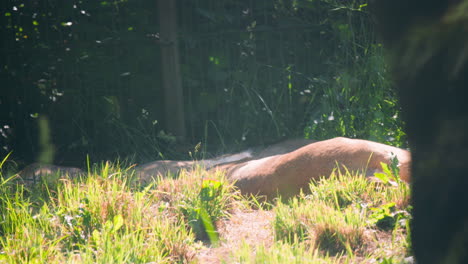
(107, 218)
(97, 220)
(343, 213)
(343, 219)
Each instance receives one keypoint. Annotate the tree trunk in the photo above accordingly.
(172, 82)
(428, 41)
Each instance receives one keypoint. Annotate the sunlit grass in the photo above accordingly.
(281, 252)
(320, 225)
(345, 218)
(201, 200)
(105, 217)
(98, 219)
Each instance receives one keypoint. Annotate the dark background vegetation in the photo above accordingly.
(253, 72)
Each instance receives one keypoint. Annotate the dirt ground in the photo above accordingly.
(253, 227)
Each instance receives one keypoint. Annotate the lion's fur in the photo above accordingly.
(288, 173)
(283, 168)
(147, 171)
(36, 172)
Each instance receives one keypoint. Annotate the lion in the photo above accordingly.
(37, 172)
(287, 174)
(280, 169)
(146, 172)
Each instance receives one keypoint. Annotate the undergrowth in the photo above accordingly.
(104, 217)
(344, 218)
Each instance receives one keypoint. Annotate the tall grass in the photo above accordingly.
(201, 200)
(99, 219)
(344, 215)
(105, 218)
(281, 252)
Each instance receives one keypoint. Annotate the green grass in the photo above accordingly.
(105, 217)
(99, 219)
(343, 219)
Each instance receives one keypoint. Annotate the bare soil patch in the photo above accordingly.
(254, 227)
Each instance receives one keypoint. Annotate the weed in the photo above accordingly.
(203, 208)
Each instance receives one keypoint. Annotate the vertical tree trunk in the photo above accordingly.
(427, 43)
(172, 85)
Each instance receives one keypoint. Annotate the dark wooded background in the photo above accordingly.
(251, 72)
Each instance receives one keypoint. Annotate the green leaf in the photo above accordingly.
(96, 237)
(385, 168)
(209, 227)
(4, 159)
(361, 6)
(117, 223)
(108, 226)
(210, 189)
(383, 177)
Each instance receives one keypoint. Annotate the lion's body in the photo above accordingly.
(36, 172)
(283, 168)
(286, 174)
(148, 171)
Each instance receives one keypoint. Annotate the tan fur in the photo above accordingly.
(288, 173)
(35, 172)
(282, 147)
(270, 171)
(146, 172)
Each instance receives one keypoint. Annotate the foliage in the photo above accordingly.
(390, 174)
(339, 213)
(253, 72)
(386, 217)
(104, 219)
(206, 210)
(201, 202)
(95, 221)
(281, 252)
